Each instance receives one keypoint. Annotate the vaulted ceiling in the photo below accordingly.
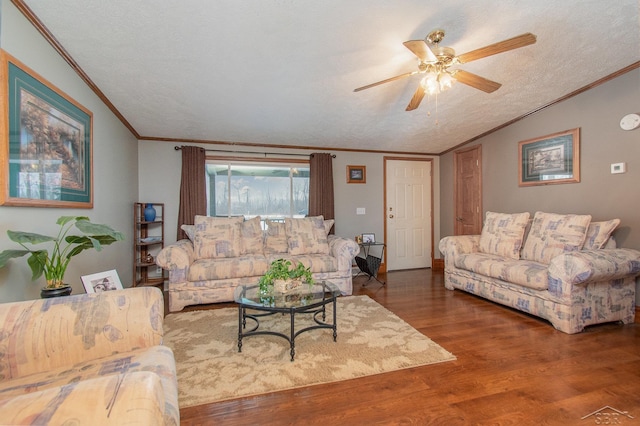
(282, 72)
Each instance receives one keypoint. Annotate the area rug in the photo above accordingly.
(371, 340)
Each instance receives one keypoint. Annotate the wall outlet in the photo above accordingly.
(158, 270)
(618, 168)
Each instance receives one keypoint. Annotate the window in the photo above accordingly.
(272, 191)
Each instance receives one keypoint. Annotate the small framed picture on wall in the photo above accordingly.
(356, 174)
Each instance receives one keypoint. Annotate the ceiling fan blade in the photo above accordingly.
(416, 99)
(421, 50)
(377, 83)
(493, 49)
(476, 81)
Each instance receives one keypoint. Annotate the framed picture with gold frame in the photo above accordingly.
(550, 159)
(356, 174)
(46, 144)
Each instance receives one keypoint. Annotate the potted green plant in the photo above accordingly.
(53, 264)
(283, 276)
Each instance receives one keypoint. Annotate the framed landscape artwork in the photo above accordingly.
(46, 144)
(356, 174)
(550, 159)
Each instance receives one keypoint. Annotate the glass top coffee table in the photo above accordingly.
(305, 299)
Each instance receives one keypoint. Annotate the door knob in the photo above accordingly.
(459, 219)
(390, 216)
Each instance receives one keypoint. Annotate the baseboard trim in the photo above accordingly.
(438, 265)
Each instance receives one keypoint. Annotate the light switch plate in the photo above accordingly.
(361, 210)
(618, 168)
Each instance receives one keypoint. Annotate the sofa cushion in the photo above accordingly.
(526, 273)
(317, 263)
(275, 239)
(598, 234)
(228, 268)
(553, 234)
(306, 235)
(217, 237)
(328, 224)
(251, 236)
(190, 230)
(502, 234)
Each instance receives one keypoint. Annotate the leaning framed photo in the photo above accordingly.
(102, 281)
(550, 159)
(356, 174)
(368, 238)
(46, 145)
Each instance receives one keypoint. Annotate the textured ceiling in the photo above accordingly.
(282, 72)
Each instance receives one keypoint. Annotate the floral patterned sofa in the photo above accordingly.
(87, 359)
(223, 253)
(563, 268)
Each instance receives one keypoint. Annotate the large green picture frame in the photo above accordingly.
(550, 159)
(46, 157)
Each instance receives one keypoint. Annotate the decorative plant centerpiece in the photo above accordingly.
(282, 277)
(53, 264)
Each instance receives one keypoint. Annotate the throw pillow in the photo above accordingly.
(275, 240)
(216, 237)
(190, 230)
(598, 234)
(553, 234)
(251, 236)
(328, 224)
(306, 235)
(502, 234)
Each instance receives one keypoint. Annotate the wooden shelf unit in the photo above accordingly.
(145, 272)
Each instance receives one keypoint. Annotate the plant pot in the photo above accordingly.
(283, 286)
(48, 292)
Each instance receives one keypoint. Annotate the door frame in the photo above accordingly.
(383, 267)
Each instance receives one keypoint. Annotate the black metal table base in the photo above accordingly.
(291, 337)
(369, 266)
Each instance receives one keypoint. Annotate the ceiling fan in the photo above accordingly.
(435, 62)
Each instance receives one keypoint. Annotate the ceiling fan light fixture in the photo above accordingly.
(436, 81)
(430, 83)
(445, 81)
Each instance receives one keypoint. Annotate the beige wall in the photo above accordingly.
(114, 171)
(597, 113)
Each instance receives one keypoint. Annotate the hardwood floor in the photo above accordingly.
(511, 369)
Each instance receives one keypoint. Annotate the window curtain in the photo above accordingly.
(193, 189)
(321, 186)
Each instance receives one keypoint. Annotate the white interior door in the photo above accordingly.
(408, 199)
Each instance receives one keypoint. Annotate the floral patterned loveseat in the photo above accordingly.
(563, 268)
(88, 359)
(224, 253)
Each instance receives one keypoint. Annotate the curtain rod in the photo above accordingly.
(178, 148)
